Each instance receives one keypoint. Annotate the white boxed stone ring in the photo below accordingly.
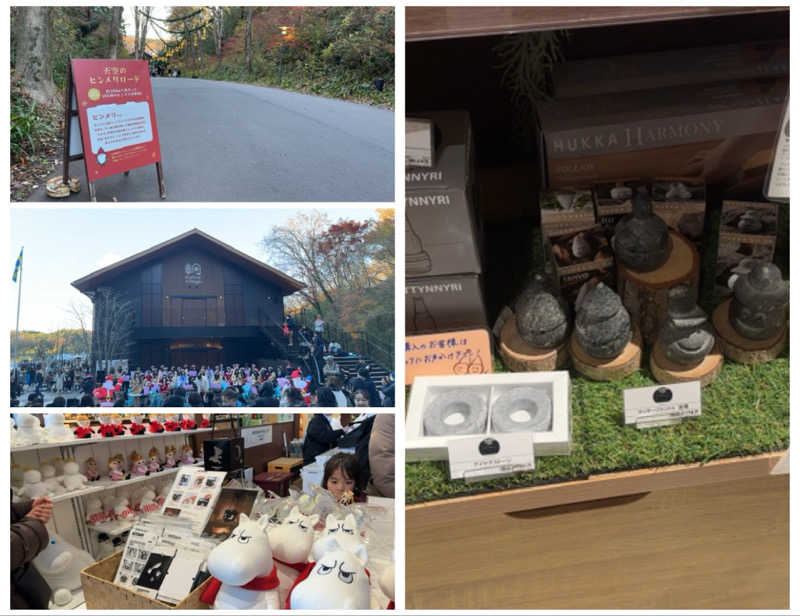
(428, 392)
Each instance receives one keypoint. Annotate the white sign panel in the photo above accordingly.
(484, 456)
(259, 435)
(662, 404)
(113, 126)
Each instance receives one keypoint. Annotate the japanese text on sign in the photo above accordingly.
(461, 352)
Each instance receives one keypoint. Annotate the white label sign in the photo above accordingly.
(419, 142)
(662, 404)
(114, 126)
(484, 456)
(777, 185)
(260, 435)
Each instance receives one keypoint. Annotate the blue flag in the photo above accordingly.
(18, 266)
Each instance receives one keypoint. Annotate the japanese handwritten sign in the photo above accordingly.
(117, 115)
(459, 352)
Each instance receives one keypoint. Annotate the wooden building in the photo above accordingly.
(196, 300)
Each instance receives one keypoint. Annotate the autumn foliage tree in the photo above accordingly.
(346, 266)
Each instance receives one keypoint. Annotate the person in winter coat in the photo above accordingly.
(28, 537)
(322, 433)
(381, 454)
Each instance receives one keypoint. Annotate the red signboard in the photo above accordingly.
(117, 115)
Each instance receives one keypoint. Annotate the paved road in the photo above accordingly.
(224, 141)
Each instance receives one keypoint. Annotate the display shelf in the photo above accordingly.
(98, 439)
(105, 484)
(112, 529)
(430, 23)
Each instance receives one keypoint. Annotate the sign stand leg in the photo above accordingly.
(92, 193)
(162, 187)
(67, 121)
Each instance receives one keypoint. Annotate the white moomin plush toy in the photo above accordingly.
(94, 511)
(53, 483)
(60, 564)
(72, 478)
(245, 576)
(345, 531)
(29, 430)
(34, 487)
(337, 581)
(291, 542)
(54, 429)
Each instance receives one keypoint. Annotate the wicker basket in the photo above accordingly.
(101, 593)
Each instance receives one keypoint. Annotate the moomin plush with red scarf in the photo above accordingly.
(291, 542)
(245, 576)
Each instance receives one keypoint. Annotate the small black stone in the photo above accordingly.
(760, 298)
(542, 317)
(641, 239)
(687, 336)
(603, 326)
(488, 447)
(662, 394)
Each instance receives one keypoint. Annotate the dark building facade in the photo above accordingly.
(196, 300)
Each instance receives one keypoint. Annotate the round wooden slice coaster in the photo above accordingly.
(740, 349)
(624, 364)
(666, 371)
(645, 294)
(519, 356)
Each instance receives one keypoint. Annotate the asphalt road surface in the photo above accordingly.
(223, 141)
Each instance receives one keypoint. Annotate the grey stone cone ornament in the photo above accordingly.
(758, 309)
(641, 239)
(687, 336)
(542, 317)
(602, 326)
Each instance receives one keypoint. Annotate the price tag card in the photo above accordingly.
(486, 456)
(419, 142)
(776, 186)
(662, 405)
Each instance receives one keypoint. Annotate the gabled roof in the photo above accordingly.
(191, 239)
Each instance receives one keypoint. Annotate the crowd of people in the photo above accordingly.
(284, 385)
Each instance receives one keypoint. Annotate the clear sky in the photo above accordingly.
(62, 245)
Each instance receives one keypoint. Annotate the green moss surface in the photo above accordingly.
(745, 412)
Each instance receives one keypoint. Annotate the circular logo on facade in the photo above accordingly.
(94, 94)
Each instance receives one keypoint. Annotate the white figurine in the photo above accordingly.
(72, 478)
(94, 511)
(55, 430)
(338, 581)
(345, 531)
(122, 509)
(14, 439)
(291, 542)
(386, 584)
(28, 429)
(60, 564)
(53, 483)
(148, 502)
(34, 486)
(245, 576)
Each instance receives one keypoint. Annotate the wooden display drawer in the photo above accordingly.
(287, 465)
(101, 593)
(712, 536)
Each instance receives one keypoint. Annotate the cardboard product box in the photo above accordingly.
(566, 208)
(678, 132)
(580, 257)
(555, 438)
(664, 69)
(420, 147)
(747, 233)
(442, 303)
(453, 164)
(613, 200)
(682, 206)
(441, 233)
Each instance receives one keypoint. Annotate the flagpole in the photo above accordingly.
(16, 331)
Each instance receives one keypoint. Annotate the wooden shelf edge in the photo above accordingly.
(432, 23)
(596, 487)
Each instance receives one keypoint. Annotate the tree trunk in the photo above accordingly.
(113, 39)
(143, 36)
(32, 52)
(219, 18)
(136, 29)
(248, 37)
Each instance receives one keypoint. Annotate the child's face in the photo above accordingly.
(338, 484)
